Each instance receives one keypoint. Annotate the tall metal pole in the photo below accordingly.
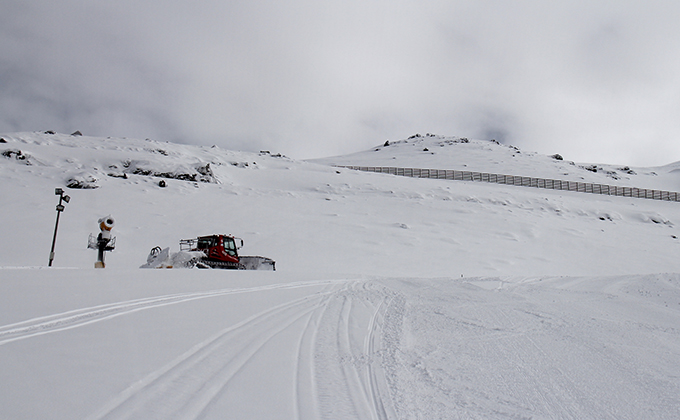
(54, 238)
(60, 208)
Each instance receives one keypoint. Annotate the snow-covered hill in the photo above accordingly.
(460, 153)
(394, 297)
(313, 217)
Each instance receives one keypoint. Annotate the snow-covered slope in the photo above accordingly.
(317, 218)
(394, 297)
(440, 152)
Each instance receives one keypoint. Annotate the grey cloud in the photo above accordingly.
(65, 70)
(594, 81)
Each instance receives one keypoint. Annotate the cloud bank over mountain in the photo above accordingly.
(594, 81)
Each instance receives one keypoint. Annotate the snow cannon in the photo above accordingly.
(104, 241)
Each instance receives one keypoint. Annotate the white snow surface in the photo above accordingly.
(394, 298)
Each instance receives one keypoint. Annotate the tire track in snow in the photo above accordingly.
(306, 395)
(377, 386)
(80, 317)
(349, 373)
(186, 387)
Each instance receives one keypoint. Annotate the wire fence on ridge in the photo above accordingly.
(524, 181)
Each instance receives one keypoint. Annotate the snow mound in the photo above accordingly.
(165, 259)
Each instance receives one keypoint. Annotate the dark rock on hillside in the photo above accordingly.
(16, 154)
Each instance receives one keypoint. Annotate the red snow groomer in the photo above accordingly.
(221, 251)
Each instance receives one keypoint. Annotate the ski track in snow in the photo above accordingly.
(85, 316)
(186, 387)
(325, 323)
(349, 354)
(350, 368)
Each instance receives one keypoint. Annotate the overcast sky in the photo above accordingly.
(596, 81)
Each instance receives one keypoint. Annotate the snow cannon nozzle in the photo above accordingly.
(106, 223)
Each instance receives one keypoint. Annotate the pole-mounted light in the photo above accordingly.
(60, 207)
